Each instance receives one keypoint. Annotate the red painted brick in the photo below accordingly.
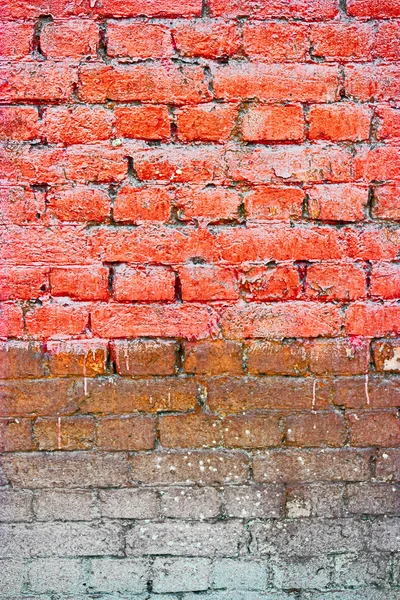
(386, 201)
(21, 206)
(275, 42)
(339, 122)
(372, 319)
(83, 283)
(71, 39)
(213, 204)
(163, 83)
(11, 323)
(205, 283)
(151, 284)
(302, 83)
(387, 41)
(338, 202)
(323, 429)
(274, 203)
(138, 40)
(144, 357)
(275, 283)
(129, 433)
(19, 123)
(142, 122)
(370, 9)
(77, 125)
(369, 83)
(57, 320)
(148, 8)
(16, 39)
(209, 122)
(336, 281)
(141, 204)
(377, 163)
(388, 123)
(273, 123)
(40, 81)
(342, 42)
(374, 429)
(23, 283)
(209, 39)
(301, 9)
(385, 281)
(79, 204)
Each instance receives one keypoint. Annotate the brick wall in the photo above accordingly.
(200, 277)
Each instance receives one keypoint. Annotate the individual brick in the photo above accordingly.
(208, 282)
(315, 500)
(128, 504)
(138, 40)
(12, 576)
(127, 575)
(338, 202)
(253, 501)
(342, 41)
(385, 535)
(21, 359)
(152, 284)
(386, 355)
(85, 283)
(77, 358)
(386, 43)
(19, 123)
(208, 122)
(302, 572)
(213, 204)
(190, 503)
(268, 203)
(369, 391)
(339, 357)
(11, 322)
(312, 466)
(388, 123)
(252, 431)
(374, 429)
(65, 433)
(69, 505)
(370, 569)
(189, 431)
(209, 39)
(339, 122)
(270, 283)
(368, 9)
(142, 122)
(16, 435)
(239, 574)
(336, 281)
(319, 11)
(365, 83)
(388, 465)
(138, 204)
(385, 280)
(23, 283)
(275, 42)
(322, 429)
(205, 467)
(69, 39)
(276, 357)
(144, 357)
(371, 319)
(15, 39)
(376, 499)
(43, 81)
(213, 358)
(15, 505)
(39, 397)
(149, 8)
(77, 125)
(57, 319)
(21, 206)
(273, 123)
(179, 539)
(57, 575)
(128, 433)
(181, 574)
(386, 203)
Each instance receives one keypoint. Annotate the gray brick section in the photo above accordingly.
(379, 499)
(362, 570)
(254, 501)
(118, 575)
(65, 505)
(11, 576)
(181, 574)
(191, 503)
(386, 535)
(128, 504)
(241, 595)
(315, 500)
(48, 575)
(15, 505)
(302, 572)
(371, 594)
(234, 574)
(186, 539)
(60, 539)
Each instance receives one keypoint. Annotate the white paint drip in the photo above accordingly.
(366, 389)
(59, 433)
(314, 394)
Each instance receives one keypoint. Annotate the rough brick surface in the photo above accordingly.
(199, 286)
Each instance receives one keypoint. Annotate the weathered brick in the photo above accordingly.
(141, 204)
(339, 122)
(342, 41)
(80, 283)
(339, 357)
(275, 357)
(128, 504)
(142, 122)
(68, 505)
(138, 40)
(385, 281)
(57, 575)
(15, 505)
(79, 204)
(271, 283)
(127, 575)
(321, 429)
(373, 391)
(39, 397)
(321, 10)
(302, 572)
(236, 574)
(181, 574)
(12, 577)
(191, 503)
(189, 431)
(71, 39)
(208, 122)
(336, 281)
(273, 123)
(386, 204)
(374, 429)
(214, 205)
(252, 501)
(144, 357)
(209, 39)
(274, 203)
(21, 359)
(375, 499)
(213, 358)
(315, 500)
(77, 125)
(385, 535)
(19, 123)
(128, 433)
(256, 431)
(205, 283)
(337, 202)
(77, 357)
(65, 433)
(153, 284)
(388, 465)
(386, 355)
(15, 39)
(41, 81)
(16, 435)
(359, 571)
(275, 42)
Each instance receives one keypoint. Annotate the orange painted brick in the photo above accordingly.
(339, 357)
(128, 433)
(57, 320)
(323, 429)
(336, 281)
(374, 429)
(213, 204)
(77, 125)
(16, 435)
(209, 122)
(275, 42)
(144, 357)
(388, 123)
(79, 204)
(213, 358)
(16, 39)
(19, 123)
(385, 281)
(387, 41)
(151, 284)
(274, 203)
(65, 433)
(20, 359)
(342, 42)
(209, 39)
(206, 282)
(299, 9)
(386, 355)
(276, 357)
(23, 283)
(39, 397)
(86, 358)
(273, 123)
(190, 431)
(11, 322)
(80, 283)
(142, 122)
(275, 283)
(69, 39)
(337, 202)
(137, 204)
(252, 432)
(371, 10)
(138, 40)
(386, 201)
(339, 122)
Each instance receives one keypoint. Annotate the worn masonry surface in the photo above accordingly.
(199, 299)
